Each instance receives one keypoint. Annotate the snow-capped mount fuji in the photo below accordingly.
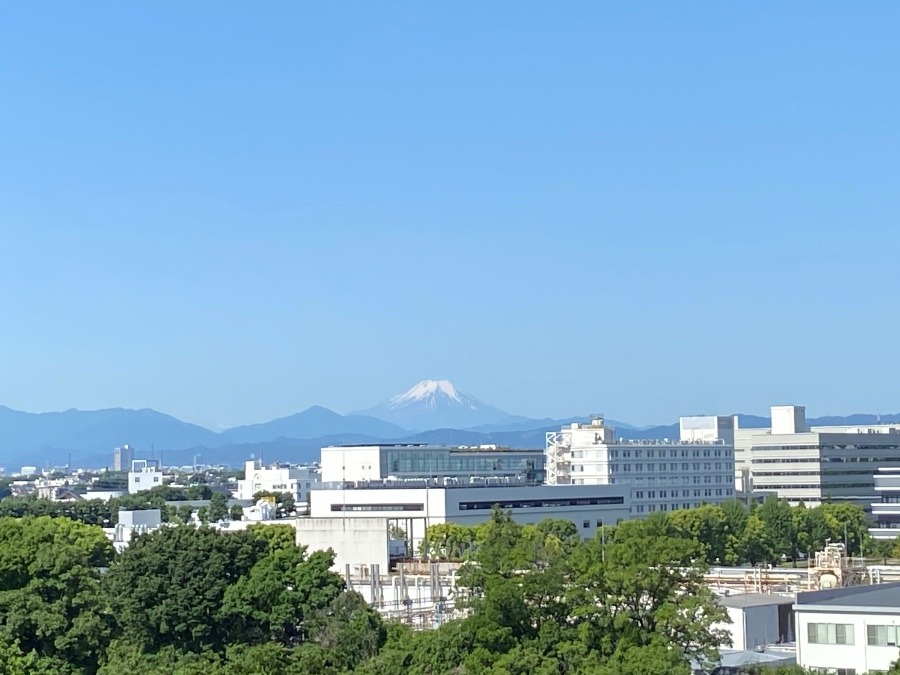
(435, 404)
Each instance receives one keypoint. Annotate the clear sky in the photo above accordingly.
(230, 211)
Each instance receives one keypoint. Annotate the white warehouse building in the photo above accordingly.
(662, 475)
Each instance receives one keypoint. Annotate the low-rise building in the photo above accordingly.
(132, 523)
(412, 507)
(849, 631)
(294, 480)
(145, 474)
(758, 619)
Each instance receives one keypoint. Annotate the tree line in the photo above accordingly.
(537, 600)
(729, 533)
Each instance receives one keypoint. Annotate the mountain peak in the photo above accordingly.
(435, 404)
(428, 391)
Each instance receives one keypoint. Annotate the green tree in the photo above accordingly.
(276, 600)
(50, 596)
(646, 587)
(218, 507)
(237, 512)
(756, 544)
(777, 516)
(168, 586)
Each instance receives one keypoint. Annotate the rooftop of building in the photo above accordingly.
(432, 447)
(741, 600)
(440, 483)
(877, 596)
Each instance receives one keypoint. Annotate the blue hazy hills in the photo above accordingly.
(87, 438)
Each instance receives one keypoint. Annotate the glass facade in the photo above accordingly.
(439, 462)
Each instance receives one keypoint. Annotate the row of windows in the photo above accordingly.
(674, 506)
(663, 494)
(441, 462)
(638, 453)
(538, 503)
(883, 636)
(669, 480)
(794, 486)
(377, 507)
(838, 472)
(673, 466)
(830, 633)
(865, 459)
(830, 447)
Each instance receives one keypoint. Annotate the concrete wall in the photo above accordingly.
(358, 463)
(355, 541)
(859, 656)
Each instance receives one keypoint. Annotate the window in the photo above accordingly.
(829, 633)
(531, 503)
(377, 507)
(585, 524)
(882, 636)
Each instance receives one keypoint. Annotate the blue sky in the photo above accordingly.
(230, 213)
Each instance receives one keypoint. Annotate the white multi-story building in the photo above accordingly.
(295, 480)
(399, 462)
(145, 474)
(886, 511)
(849, 631)
(662, 475)
(412, 506)
(799, 463)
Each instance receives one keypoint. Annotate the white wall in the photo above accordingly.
(358, 463)
(355, 541)
(430, 506)
(860, 656)
(143, 480)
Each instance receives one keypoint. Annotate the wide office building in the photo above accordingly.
(662, 475)
(799, 463)
(412, 506)
(460, 464)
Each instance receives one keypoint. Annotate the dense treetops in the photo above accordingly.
(537, 599)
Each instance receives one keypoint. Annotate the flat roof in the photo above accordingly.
(753, 600)
(880, 596)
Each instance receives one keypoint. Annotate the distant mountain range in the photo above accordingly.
(432, 411)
